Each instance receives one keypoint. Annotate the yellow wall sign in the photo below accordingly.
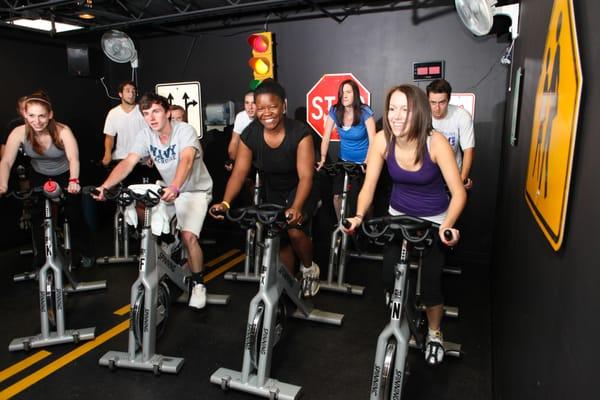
(555, 125)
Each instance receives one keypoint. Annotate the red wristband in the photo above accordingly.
(74, 180)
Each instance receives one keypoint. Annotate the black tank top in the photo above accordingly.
(277, 165)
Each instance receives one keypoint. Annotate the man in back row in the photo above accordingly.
(242, 120)
(124, 122)
(175, 150)
(456, 124)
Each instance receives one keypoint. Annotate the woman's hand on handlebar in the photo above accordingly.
(319, 164)
(351, 225)
(293, 216)
(73, 188)
(452, 241)
(3, 190)
(217, 211)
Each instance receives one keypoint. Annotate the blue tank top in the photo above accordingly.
(354, 140)
(418, 193)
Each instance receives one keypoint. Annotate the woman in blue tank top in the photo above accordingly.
(54, 155)
(419, 161)
(356, 128)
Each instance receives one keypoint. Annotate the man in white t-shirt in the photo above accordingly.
(242, 120)
(456, 124)
(175, 150)
(123, 121)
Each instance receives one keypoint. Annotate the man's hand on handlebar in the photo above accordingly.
(3, 190)
(98, 194)
(452, 241)
(168, 194)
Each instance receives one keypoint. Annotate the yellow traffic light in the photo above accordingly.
(262, 61)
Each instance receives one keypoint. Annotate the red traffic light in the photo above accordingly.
(259, 42)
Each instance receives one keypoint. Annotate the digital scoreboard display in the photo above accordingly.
(427, 71)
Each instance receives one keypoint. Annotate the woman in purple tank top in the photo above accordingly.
(419, 161)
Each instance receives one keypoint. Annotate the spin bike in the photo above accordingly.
(150, 293)
(254, 238)
(121, 234)
(390, 369)
(338, 251)
(50, 279)
(267, 311)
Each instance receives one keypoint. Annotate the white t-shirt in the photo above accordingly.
(242, 120)
(166, 156)
(457, 126)
(124, 125)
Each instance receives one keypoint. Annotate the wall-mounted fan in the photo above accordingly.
(119, 48)
(478, 15)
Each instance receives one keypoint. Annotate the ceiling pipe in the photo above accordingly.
(191, 14)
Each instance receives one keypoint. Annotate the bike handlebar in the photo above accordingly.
(353, 169)
(125, 196)
(408, 226)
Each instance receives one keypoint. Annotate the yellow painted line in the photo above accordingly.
(55, 365)
(224, 267)
(221, 258)
(21, 365)
(126, 308)
(123, 310)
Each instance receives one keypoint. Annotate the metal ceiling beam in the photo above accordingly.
(45, 4)
(256, 5)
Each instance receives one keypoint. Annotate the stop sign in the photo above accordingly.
(323, 95)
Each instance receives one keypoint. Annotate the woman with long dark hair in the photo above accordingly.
(356, 127)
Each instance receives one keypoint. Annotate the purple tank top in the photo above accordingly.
(419, 193)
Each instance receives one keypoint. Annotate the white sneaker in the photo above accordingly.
(434, 347)
(198, 296)
(310, 280)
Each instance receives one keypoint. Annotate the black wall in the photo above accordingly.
(379, 49)
(546, 303)
(28, 65)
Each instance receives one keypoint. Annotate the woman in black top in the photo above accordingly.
(282, 149)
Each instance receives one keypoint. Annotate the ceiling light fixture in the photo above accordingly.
(87, 10)
(46, 25)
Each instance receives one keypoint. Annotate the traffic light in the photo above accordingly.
(262, 61)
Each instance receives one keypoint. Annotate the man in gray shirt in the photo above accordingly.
(175, 150)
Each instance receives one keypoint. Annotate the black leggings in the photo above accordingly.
(431, 270)
(71, 210)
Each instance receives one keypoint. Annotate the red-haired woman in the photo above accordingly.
(54, 155)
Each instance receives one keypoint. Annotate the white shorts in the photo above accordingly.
(190, 210)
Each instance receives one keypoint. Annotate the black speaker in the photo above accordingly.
(78, 60)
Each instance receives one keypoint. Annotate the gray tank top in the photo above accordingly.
(52, 162)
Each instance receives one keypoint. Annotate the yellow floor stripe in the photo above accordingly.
(224, 267)
(221, 258)
(55, 365)
(21, 365)
(126, 308)
(123, 310)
